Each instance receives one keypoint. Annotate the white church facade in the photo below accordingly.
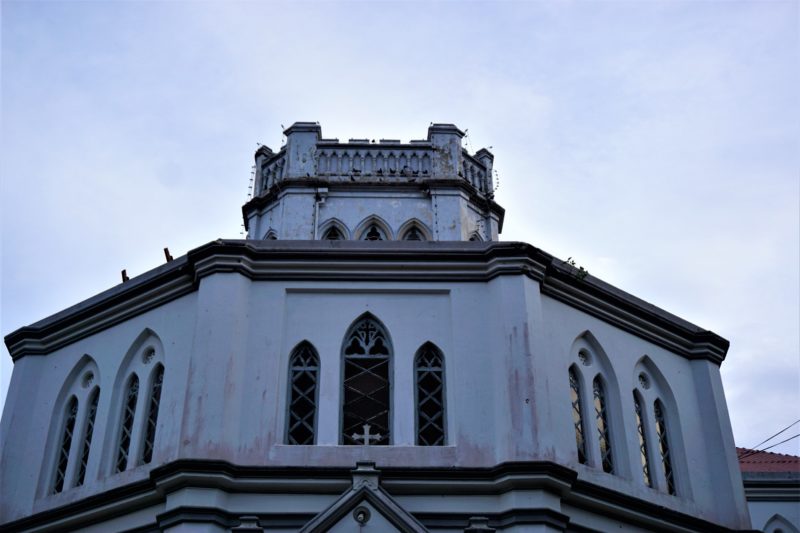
(370, 358)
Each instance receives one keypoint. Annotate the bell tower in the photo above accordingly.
(425, 190)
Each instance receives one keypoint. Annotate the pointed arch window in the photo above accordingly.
(663, 445)
(126, 429)
(138, 398)
(70, 416)
(333, 234)
(431, 417)
(366, 395)
(88, 432)
(303, 394)
(69, 441)
(577, 414)
(413, 234)
(642, 434)
(374, 233)
(152, 414)
(601, 420)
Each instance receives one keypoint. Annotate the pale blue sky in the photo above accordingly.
(657, 143)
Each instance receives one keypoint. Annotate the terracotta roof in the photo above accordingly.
(756, 461)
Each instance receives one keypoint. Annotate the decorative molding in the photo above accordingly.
(442, 262)
(552, 478)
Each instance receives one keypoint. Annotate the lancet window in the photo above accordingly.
(73, 422)
(601, 420)
(303, 394)
(655, 416)
(663, 445)
(66, 443)
(128, 417)
(594, 405)
(577, 414)
(642, 434)
(413, 234)
(88, 432)
(366, 395)
(431, 417)
(139, 390)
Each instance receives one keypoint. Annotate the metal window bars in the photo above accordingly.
(152, 415)
(601, 419)
(87, 436)
(303, 370)
(66, 443)
(577, 415)
(429, 370)
(637, 405)
(126, 429)
(663, 446)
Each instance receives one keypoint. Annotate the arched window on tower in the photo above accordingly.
(577, 413)
(73, 428)
(366, 387)
(413, 234)
(138, 394)
(431, 416)
(303, 394)
(333, 234)
(374, 233)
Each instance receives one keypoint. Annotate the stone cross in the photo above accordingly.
(366, 437)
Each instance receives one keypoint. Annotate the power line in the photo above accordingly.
(754, 452)
(754, 448)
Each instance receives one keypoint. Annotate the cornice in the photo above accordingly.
(396, 185)
(368, 261)
(232, 479)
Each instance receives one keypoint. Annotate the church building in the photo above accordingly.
(370, 358)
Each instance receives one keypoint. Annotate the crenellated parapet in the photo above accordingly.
(434, 180)
(307, 155)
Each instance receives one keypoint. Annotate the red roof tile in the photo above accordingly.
(755, 461)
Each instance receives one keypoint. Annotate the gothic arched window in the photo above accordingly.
(126, 427)
(601, 420)
(70, 415)
(70, 442)
(413, 234)
(663, 445)
(152, 414)
(656, 420)
(577, 414)
(642, 434)
(333, 234)
(138, 391)
(431, 417)
(88, 431)
(303, 394)
(374, 233)
(366, 388)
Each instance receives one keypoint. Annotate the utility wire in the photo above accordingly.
(754, 452)
(754, 448)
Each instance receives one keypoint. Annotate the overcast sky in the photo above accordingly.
(657, 143)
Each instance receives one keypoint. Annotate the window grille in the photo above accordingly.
(303, 370)
(374, 233)
(601, 419)
(429, 367)
(366, 388)
(577, 415)
(66, 443)
(413, 234)
(87, 436)
(663, 445)
(333, 234)
(128, 414)
(152, 415)
(642, 441)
